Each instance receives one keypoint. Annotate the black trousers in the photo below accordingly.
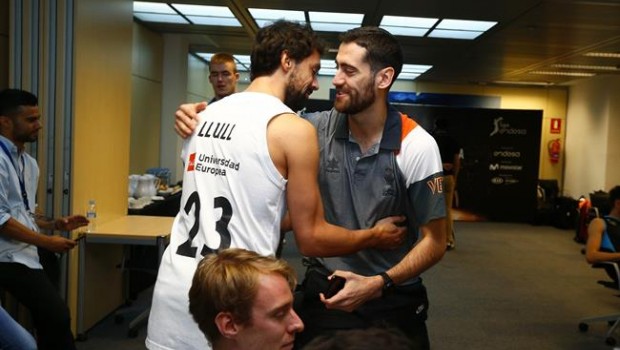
(404, 308)
(50, 314)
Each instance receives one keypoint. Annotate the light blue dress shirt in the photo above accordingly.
(12, 205)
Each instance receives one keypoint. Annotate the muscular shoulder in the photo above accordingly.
(291, 138)
(288, 126)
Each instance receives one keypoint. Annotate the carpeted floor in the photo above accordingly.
(505, 286)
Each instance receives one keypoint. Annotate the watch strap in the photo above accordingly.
(388, 283)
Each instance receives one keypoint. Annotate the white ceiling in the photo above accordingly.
(531, 35)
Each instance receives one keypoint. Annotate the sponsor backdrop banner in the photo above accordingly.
(500, 150)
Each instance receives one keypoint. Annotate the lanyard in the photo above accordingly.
(22, 184)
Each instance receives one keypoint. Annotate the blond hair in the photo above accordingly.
(227, 282)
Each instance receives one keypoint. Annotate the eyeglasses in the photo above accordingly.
(225, 75)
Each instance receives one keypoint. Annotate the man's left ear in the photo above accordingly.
(286, 62)
(226, 324)
(4, 121)
(385, 77)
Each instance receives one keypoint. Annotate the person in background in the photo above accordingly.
(374, 162)
(603, 242)
(21, 273)
(223, 75)
(250, 160)
(451, 160)
(13, 336)
(243, 300)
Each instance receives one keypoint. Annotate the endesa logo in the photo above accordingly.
(192, 162)
(507, 154)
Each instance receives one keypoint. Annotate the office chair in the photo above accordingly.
(614, 319)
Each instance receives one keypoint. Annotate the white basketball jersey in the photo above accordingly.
(233, 197)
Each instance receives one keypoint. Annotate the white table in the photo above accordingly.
(126, 230)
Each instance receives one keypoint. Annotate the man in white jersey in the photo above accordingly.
(250, 159)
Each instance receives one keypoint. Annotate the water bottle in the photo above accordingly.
(91, 215)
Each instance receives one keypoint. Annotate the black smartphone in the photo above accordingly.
(80, 237)
(334, 286)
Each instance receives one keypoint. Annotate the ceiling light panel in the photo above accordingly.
(603, 54)
(454, 34)
(405, 31)
(214, 21)
(334, 21)
(570, 74)
(156, 12)
(460, 29)
(328, 67)
(446, 28)
(460, 24)
(415, 68)
(534, 83)
(264, 17)
(407, 26)
(208, 15)
(152, 7)
(204, 10)
(336, 17)
(413, 22)
(160, 18)
(407, 76)
(585, 66)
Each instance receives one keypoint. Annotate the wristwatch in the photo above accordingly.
(388, 283)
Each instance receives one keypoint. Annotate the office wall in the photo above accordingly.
(146, 99)
(4, 44)
(175, 75)
(612, 173)
(198, 87)
(593, 145)
(102, 110)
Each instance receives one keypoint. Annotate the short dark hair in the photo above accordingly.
(382, 48)
(11, 100)
(362, 339)
(614, 195)
(298, 40)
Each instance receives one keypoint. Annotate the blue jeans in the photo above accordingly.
(12, 335)
(50, 314)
